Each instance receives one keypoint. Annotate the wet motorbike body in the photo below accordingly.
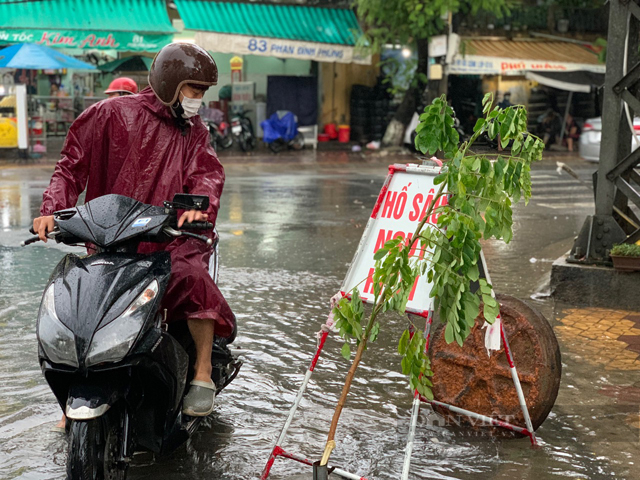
(115, 368)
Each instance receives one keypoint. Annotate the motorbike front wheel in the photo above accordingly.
(276, 146)
(298, 142)
(247, 141)
(94, 449)
(213, 141)
(226, 142)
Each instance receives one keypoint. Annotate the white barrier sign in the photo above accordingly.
(403, 202)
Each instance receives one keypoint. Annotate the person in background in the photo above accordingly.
(549, 126)
(506, 100)
(121, 86)
(571, 132)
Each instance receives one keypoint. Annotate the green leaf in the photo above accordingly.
(448, 333)
(427, 393)
(489, 300)
(440, 178)
(379, 255)
(479, 124)
(490, 313)
(375, 330)
(406, 365)
(487, 100)
(404, 342)
(346, 351)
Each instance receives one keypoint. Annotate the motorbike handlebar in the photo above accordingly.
(197, 226)
(36, 238)
(30, 240)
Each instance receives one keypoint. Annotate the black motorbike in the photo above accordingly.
(242, 130)
(117, 371)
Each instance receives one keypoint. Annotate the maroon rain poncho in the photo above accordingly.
(133, 146)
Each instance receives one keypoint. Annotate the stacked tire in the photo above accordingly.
(371, 112)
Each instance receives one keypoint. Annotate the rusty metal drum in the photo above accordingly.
(468, 378)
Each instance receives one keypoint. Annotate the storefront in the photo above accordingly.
(525, 69)
(282, 40)
(93, 30)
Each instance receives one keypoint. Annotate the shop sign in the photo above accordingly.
(236, 69)
(403, 202)
(236, 63)
(277, 47)
(481, 65)
(243, 92)
(438, 46)
(86, 39)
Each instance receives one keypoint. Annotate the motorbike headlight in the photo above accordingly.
(113, 341)
(57, 341)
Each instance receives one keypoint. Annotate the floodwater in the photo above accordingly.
(288, 232)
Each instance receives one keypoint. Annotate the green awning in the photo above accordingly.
(283, 31)
(127, 25)
(291, 22)
(128, 64)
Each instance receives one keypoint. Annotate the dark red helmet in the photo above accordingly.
(178, 64)
(122, 85)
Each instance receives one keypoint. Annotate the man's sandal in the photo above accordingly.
(200, 400)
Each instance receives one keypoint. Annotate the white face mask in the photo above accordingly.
(190, 106)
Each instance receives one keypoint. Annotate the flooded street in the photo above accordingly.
(288, 232)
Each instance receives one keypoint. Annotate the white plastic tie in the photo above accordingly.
(492, 339)
(328, 325)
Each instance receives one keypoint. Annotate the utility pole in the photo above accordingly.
(616, 183)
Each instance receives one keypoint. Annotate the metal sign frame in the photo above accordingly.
(279, 451)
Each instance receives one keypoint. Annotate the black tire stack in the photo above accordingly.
(371, 112)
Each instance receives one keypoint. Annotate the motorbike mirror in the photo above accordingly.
(190, 202)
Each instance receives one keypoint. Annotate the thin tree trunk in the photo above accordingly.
(395, 131)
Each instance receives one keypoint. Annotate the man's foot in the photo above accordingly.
(60, 427)
(200, 400)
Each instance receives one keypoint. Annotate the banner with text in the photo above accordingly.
(481, 65)
(101, 40)
(402, 204)
(279, 47)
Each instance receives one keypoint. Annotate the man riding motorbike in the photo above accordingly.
(148, 147)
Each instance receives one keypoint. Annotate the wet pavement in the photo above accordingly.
(289, 226)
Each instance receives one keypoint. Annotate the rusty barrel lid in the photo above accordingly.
(468, 378)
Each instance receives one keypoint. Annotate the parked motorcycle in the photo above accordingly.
(242, 130)
(281, 131)
(219, 134)
(117, 371)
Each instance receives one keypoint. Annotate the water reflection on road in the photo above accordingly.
(287, 235)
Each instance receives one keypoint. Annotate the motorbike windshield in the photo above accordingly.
(111, 220)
